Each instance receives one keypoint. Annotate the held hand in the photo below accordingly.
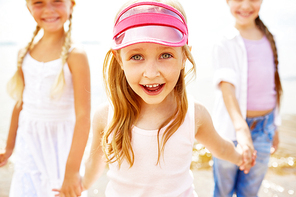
(275, 143)
(71, 187)
(4, 156)
(248, 158)
(243, 137)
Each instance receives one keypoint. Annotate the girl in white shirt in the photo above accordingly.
(248, 94)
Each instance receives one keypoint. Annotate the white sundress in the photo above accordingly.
(44, 132)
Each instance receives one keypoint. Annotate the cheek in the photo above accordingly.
(132, 75)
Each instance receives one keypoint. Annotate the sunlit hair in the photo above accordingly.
(269, 36)
(126, 103)
(16, 84)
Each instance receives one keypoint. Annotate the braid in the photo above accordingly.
(16, 84)
(278, 85)
(59, 83)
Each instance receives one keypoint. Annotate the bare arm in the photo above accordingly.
(207, 135)
(243, 134)
(95, 164)
(78, 64)
(10, 143)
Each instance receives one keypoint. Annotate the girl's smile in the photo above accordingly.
(152, 70)
(244, 11)
(153, 89)
(50, 14)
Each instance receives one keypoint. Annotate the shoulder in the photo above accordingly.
(199, 111)
(100, 118)
(21, 51)
(77, 53)
(227, 36)
(78, 61)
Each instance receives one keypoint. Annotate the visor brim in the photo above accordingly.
(163, 35)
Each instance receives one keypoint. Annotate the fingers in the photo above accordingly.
(3, 160)
(249, 159)
(70, 193)
(274, 148)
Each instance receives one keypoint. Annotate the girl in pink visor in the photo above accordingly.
(147, 131)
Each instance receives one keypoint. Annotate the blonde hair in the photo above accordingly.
(16, 84)
(269, 36)
(127, 107)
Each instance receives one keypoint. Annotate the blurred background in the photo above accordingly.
(92, 28)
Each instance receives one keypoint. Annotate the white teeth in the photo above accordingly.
(50, 19)
(245, 14)
(150, 86)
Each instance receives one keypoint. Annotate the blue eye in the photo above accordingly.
(166, 56)
(137, 57)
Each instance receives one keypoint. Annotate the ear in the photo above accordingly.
(190, 48)
(117, 57)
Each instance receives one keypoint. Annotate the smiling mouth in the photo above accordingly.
(50, 20)
(245, 14)
(153, 88)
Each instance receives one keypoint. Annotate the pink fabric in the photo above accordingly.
(171, 177)
(150, 22)
(261, 93)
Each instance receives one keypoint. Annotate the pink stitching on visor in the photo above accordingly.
(150, 22)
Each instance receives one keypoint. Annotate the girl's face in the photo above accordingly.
(152, 70)
(50, 14)
(245, 11)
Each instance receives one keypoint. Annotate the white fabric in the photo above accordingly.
(172, 177)
(44, 132)
(231, 65)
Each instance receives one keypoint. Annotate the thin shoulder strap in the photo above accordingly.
(191, 115)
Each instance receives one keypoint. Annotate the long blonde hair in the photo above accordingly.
(269, 36)
(16, 84)
(127, 107)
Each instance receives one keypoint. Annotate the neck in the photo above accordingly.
(251, 31)
(53, 37)
(153, 116)
(246, 27)
(166, 108)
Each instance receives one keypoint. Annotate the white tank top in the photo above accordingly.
(171, 177)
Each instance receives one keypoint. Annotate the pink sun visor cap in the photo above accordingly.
(150, 22)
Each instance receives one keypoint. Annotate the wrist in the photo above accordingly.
(8, 151)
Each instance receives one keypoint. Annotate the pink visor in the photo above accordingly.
(150, 22)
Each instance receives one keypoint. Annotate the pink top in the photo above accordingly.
(261, 94)
(172, 177)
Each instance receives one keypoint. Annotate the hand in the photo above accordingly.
(275, 143)
(71, 187)
(248, 158)
(243, 137)
(4, 156)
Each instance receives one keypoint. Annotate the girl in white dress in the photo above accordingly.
(51, 120)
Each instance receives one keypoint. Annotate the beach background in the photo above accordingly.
(92, 28)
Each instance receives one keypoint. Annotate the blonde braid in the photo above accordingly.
(269, 36)
(59, 83)
(16, 84)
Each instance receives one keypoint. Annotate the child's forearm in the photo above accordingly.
(13, 127)
(229, 152)
(93, 170)
(80, 137)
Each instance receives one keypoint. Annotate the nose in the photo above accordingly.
(151, 70)
(246, 4)
(48, 7)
